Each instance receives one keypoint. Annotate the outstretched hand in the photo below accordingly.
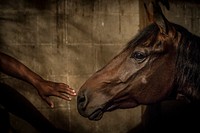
(48, 88)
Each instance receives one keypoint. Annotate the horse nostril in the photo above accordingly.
(82, 101)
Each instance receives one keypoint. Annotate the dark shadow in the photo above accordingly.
(35, 4)
(170, 116)
(4, 121)
(13, 102)
(138, 129)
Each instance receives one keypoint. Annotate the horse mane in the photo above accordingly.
(188, 64)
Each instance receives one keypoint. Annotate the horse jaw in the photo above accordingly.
(98, 112)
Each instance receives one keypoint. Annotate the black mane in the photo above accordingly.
(188, 63)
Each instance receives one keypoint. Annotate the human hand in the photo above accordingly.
(48, 88)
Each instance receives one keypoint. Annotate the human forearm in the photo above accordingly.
(13, 67)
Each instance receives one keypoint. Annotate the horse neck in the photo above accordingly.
(188, 66)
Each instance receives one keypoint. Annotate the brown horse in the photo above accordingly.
(162, 61)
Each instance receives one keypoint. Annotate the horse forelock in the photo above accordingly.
(188, 63)
(150, 31)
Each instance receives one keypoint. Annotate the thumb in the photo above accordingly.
(49, 102)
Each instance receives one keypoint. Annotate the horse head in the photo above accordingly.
(144, 72)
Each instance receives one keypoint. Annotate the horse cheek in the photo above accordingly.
(163, 82)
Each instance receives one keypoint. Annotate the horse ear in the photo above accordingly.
(164, 2)
(160, 19)
(156, 16)
(149, 14)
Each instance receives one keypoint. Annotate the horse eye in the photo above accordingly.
(139, 56)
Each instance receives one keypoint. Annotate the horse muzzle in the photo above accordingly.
(92, 110)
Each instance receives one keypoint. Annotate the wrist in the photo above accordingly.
(36, 80)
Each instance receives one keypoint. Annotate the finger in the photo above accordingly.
(49, 102)
(70, 92)
(61, 95)
(66, 89)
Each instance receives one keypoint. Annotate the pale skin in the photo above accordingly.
(45, 88)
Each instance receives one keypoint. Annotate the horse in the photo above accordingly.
(161, 62)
